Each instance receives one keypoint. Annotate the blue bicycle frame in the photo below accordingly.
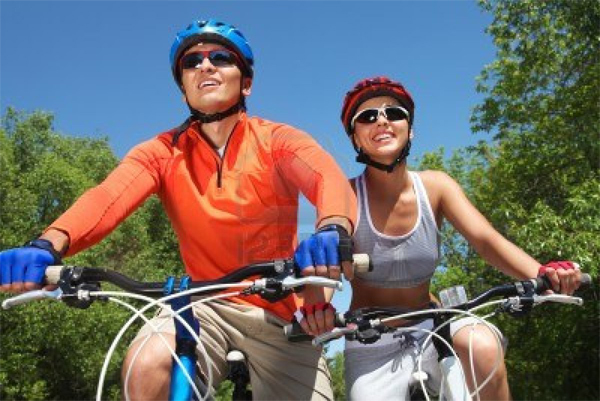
(180, 388)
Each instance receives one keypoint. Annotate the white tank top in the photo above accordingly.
(398, 261)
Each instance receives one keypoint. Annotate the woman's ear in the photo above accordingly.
(246, 86)
(411, 134)
(352, 138)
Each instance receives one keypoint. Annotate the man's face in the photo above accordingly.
(209, 88)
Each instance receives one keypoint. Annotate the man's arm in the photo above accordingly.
(314, 172)
(341, 221)
(301, 161)
(101, 209)
(58, 239)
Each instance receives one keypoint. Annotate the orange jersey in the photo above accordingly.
(227, 212)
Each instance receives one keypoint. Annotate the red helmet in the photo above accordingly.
(373, 87)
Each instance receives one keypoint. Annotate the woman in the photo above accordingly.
(400, 212)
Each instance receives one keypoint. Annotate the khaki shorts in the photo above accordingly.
(279, 369)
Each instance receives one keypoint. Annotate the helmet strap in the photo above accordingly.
(197, 115)
(362, 157)
(212, 117)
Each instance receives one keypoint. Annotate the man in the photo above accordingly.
(230, 185)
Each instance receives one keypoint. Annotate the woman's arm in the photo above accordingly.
(489, 243)
(493, 247)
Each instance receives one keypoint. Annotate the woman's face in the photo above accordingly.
(382, 139)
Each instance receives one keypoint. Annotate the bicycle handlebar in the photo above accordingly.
(278, 281)
(536, 285)
(363, 319)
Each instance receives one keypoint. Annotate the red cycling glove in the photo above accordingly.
(566, 265)
(309, 309)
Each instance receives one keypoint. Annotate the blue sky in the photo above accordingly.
(102, 66)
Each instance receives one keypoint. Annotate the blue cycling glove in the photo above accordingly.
(28, 263)
(329, 246)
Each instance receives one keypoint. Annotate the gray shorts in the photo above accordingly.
(384, 370)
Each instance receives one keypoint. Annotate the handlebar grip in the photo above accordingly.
(53, 274)
(543, 283)
(361, 263)
(294, 332)
(586, 281)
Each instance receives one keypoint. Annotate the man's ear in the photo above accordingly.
(246, 86)
(183, 95)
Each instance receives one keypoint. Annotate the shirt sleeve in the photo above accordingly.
(101, 209)
(300, 159)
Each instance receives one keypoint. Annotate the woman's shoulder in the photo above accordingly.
(434, 178)
(436, 182)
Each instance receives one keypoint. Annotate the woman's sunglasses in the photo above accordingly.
(369, 116)
(218, 58)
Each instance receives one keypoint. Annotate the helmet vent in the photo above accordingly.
(215, 31)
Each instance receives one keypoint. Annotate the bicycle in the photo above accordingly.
(79, 287)
(366, 325)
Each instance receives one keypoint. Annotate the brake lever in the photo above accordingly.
(337, 332)
(31, 296)
(292, 282)
(558, 298)
(521, 305)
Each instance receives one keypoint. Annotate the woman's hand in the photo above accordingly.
(565, 276)
(316, 319)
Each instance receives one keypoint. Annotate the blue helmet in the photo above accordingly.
(213, 31)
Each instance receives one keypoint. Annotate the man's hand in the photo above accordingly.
(22, 269)
(324, 252)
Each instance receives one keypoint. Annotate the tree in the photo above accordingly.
(537, 180)
(336, 368)
(50, 351)
(542, 97)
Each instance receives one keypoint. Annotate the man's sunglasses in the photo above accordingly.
(391, 113)
(218, 58)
